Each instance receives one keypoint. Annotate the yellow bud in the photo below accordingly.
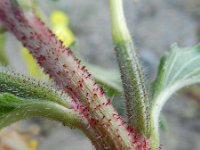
(59, 18)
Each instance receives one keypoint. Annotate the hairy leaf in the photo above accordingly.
(26, 87)
(178, 69)
(22, 97)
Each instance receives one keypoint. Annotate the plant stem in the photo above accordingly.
(23, 108)
(58, 61)
(131, 72)
(28, 108)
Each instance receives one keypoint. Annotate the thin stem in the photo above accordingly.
(131, 72)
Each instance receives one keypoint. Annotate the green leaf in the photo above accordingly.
(26, 87)
(163, 124)
(2, 29)
(3, 57)
(13, 109)
(178, 68)
(21, 97)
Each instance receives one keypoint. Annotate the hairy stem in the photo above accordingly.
(89, 99)
(131, 72)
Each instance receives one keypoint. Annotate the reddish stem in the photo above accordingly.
(58, 61)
